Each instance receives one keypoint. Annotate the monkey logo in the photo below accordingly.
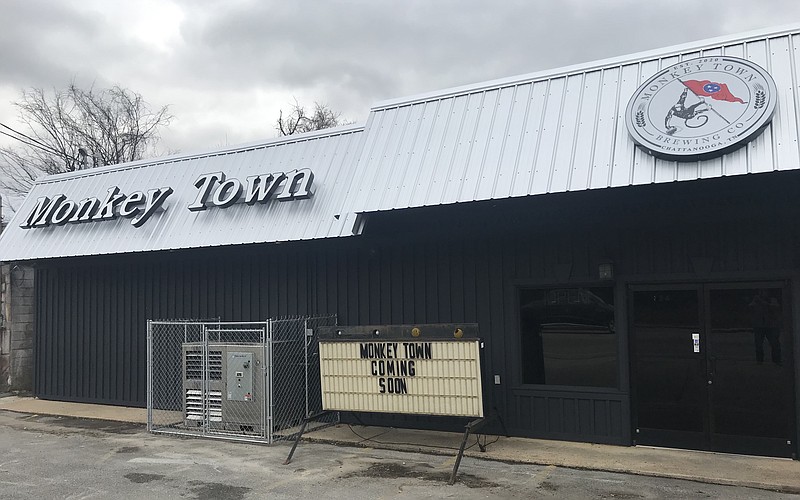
(701, 108)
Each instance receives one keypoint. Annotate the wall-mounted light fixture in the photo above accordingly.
(606, 271)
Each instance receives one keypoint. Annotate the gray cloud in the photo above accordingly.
(232, 65)
(374, 50)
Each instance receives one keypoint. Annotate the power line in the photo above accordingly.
(27, 143)
(52, 152)
(35, 143)
(41, 145)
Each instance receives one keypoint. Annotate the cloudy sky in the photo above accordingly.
(226, 68)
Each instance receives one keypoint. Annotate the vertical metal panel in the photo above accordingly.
(794, 58)
(624, 150)
(396, 275)
(643, 163)
(761, 148)
(439, 161)
(785, 129)
(497, 135)
(435, 125)
(737, 162)
(600, 169)
(404, 154)
(373, 152)
(534, 115)
(548, 135)
(391, 153)
(460, 163)
(476, 153)
(508, 155)
(586, 131)
(427, 115)
(563, 157)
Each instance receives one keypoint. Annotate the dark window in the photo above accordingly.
(568, 337)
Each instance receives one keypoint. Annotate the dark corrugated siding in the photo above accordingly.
(455, 264)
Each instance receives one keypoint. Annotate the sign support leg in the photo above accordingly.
(470, 427)
(302, 430)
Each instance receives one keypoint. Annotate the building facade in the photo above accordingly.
(627, 293)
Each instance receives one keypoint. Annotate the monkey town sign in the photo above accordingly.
(701, 108)
(213, 190)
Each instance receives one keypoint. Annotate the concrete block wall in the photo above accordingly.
(5, 334)
(16, 327)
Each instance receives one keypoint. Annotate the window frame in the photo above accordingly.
(613, 286)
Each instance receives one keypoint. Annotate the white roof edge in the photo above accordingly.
(697, 45)
(329, 132)
(178, 248)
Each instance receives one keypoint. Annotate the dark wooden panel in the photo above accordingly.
(593, 417)
(586, 421)
(540, 423)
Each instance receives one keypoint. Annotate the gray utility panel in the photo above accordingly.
(235, 396)
(240, 376)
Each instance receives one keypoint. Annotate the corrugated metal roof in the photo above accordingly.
(331, 155)
(556, 131)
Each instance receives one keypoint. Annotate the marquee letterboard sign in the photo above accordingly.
(413, 369)
(701, 108)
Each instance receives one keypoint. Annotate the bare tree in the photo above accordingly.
(299, 120)
(74, 128)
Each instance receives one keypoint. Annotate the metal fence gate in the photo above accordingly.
(253, 381)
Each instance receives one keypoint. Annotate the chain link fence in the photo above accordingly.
(253, 381)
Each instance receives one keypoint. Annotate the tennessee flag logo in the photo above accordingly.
(714, 90)
(701, 108)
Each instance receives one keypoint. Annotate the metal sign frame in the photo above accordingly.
(414, 333)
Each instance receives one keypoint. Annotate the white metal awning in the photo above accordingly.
(331, 157)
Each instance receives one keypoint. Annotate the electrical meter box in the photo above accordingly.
(240, 376)
(234, 394)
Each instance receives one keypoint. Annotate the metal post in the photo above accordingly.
(305, 359)
(265, 433)
(149, 375)
(271, 376)
(204, 381)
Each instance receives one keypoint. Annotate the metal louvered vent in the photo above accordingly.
(215, 365)
(194, 365)
(194, 405)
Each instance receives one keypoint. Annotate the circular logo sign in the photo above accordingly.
(701, 108)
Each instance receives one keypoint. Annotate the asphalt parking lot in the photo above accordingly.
(66, 457)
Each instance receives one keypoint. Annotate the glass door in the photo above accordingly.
(751, 369)
(670, 397)
(712, 368)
